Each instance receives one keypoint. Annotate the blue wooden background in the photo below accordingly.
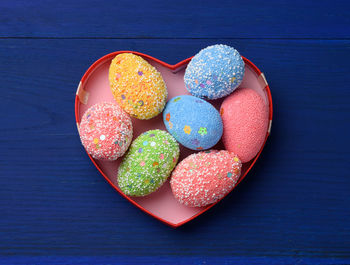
(294, 206)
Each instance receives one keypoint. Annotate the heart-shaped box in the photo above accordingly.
(162, 205)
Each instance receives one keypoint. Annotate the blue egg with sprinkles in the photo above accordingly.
(193, 122)
(214, 72)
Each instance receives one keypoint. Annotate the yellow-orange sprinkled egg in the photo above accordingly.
(137, 86)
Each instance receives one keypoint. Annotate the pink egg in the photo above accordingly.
(105, 131)
(245, 117)
(206, 177)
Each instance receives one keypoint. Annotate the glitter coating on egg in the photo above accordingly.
(137, 86)
(151, 158)
(204, 178)
(214, 72)
(245, 116)
(105, 131)
(193, 122)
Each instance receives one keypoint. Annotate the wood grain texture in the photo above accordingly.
(175, 19)
(131, 260)
(292, 207)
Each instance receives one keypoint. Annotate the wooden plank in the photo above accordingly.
(294, 203)
(175, 19)
(130, 260)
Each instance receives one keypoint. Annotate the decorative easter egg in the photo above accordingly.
(193, 122)
(206, 177)
(105, 131)
(148, 163)
(214, 72)
(245, 116)
(137, 86)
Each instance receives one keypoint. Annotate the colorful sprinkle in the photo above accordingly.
(161, 156)
(177, 99)
(222, 111)
(202, 131)
(167, 117)
(187, 129)
(140, 150)
(153, 144)
(140, 73)
(145, 143)
(117, 76)
(95, 141)
(195, 141)
(142, 163)
(102, 137)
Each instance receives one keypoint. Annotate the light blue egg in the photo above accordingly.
(214, 72)
(194, 123)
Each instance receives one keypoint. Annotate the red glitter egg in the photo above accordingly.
(206, 177)
(105, 131)
(245, 117)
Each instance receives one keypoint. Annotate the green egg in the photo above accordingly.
(149, 162)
